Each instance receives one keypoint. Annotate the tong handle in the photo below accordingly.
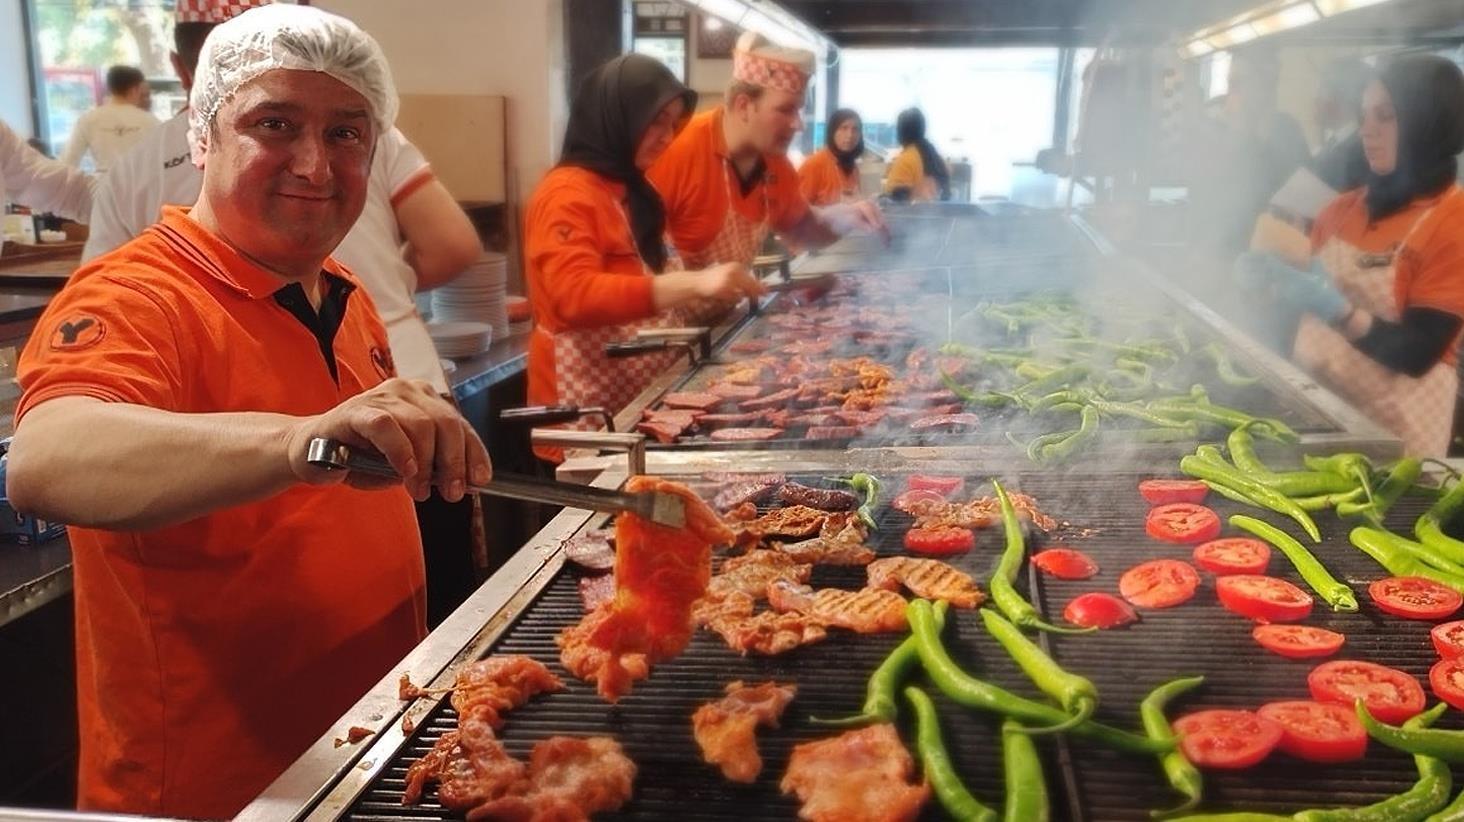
(631, 348)
(551, 414)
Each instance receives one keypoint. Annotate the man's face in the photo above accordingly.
(774, 119)
(286, 167)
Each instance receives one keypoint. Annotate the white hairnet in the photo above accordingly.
(287, 36)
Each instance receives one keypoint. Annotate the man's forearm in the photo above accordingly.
(129, 467)
(811, 231)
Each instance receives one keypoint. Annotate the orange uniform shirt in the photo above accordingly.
(212, 653)
(823, 182)
(694, 178)
(582, 266)
(1430, 268)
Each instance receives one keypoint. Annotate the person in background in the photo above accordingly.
(1383, 299)
(831, 175)
(108, 130)
(411, 236)
(918, 174)
(597, 265)
(233, 600)
(31, 179)
(726, 181)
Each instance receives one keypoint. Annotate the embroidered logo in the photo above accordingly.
(78, 331)
(381, 359)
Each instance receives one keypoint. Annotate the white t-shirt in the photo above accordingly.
(108, 131)
(32, 179)
(157, 172)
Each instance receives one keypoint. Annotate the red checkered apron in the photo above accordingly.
(738, 241)
(1420, 410)
(584, 376)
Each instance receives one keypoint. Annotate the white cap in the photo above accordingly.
(287, 36)
(763, 63)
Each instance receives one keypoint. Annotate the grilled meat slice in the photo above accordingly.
(831, 432)
(593, 550)
(725, 729)
(752, 572)
(757, 490)
(860, 775)
(744, 434)
(593, 663)
(948, 422)
(470, 766)
(927, 578)
(976, 514)
(840, 542)
(596, 590)
(777, 399)
(663, 432)
(568, 778)
(867, 611)
(768, 633)
(734, 605)
(737, 393)
(709, 422)
(824, 499)
(793, 521)
(693, 400)
(500, 683)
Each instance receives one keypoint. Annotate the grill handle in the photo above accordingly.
(553, 414)
(634, 348)
(699, 334)
(632, 444)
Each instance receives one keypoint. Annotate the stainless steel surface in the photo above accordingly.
(632, 444)
(30, 815)
(664, 509)
(33, 575)
(323, 782)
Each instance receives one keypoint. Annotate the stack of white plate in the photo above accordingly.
(457, 340)
(476, 295)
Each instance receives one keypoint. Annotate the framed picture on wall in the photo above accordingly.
(714, 38)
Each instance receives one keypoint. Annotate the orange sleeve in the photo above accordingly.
(1329, 221)
(105, 337)
(565, 246)
(815, 182)
(1431, 269)
(788, 205)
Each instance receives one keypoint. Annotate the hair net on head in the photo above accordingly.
(286, 36)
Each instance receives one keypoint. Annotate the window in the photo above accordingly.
(659, 30)
(75, 41)
(989, 108)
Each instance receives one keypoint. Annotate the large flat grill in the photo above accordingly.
(653, 723)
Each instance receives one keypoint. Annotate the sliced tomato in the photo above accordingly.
(1227, 739)
(1448, 638)
(1099, 610)
(1182, 522)
(1065, 563)
(1159, 583)
(1414, 597)
(1233, 555)
(1446, 678)
(939, 541)
(1388, 693)
(1318, 731)
(908, 500)
(1298, 641)
(1164, 491)
(1264, 599)
(945, 486)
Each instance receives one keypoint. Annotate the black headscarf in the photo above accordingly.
(910, 129)
(1428, 97)
(846, 158)
(611, 111)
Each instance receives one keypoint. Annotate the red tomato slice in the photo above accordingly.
(945, 486)
(1388, 693)
(1298, 641)
(1264, 599)
(1065, 563)
(1164, 492)
(1159, 583)
(1182, 522)
(1233, 555)
(1446, 678)
(1099, 610)
(907, 500)
(1318, 731)
(1226, 739)
(1414, 597)
(1448, 638)
(939, 541)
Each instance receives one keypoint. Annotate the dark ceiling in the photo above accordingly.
(903, 23)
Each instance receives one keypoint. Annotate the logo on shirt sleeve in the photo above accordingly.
(76, 332)
(381, 359)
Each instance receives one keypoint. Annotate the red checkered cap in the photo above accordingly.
(213, 11)
(760, 63)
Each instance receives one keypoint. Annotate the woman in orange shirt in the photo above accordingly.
(597, 264)
(1383, 301)
(831, 174)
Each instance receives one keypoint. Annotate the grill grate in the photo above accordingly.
(1086, 782)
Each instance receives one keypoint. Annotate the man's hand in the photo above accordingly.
(423, 437)
(727, 282)
(860, 215)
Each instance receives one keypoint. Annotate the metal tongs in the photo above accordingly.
(663, 509)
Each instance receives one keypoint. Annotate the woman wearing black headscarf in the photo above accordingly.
(831, 174)
(1384, 298)
(596, 262)
(918, 173)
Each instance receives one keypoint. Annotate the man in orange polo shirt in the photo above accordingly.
(726, 179)
(233, 601)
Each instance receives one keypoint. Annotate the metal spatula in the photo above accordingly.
(660, 508)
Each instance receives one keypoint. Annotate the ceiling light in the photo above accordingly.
(1233, 36)
(711, 23)
(1333, 7)
(1298, 14)
(1197, 48)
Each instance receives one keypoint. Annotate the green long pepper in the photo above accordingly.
(1002, 585)
(1183, 776)
(1332, 591)
(1201, 468)
(1434, 742)
(1430, 526)
(1402, 557)
(1026, 789)
(935, 762)
(879, 692)
(1428, 795)
(1076, 694)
